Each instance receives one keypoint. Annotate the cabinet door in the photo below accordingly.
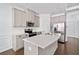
(36, 21)
(19, 43)
(32, 18)
(17, 17)
(23, 19)
(28, 16)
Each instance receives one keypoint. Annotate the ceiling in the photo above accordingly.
(72, 4)
(47, 8)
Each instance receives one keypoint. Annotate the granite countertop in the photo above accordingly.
(43, 40)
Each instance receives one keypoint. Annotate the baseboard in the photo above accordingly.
(73, 36)
(5, 49)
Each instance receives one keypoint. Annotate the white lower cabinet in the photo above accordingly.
(17, 42)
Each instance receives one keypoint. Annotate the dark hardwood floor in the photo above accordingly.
(69, 48)
(11, 52)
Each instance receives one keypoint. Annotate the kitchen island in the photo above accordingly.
(44, 44)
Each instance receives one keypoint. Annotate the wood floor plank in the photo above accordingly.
(11, 52)
(69, 48)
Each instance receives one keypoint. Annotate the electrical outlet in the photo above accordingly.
(30, 48)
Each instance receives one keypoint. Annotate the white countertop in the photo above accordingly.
(43, 40)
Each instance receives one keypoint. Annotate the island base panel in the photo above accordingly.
(30, 49)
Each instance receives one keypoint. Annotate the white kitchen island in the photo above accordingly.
(41, 44)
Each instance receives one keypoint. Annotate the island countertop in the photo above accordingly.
(43, 40)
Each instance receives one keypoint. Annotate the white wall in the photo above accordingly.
(45, 22)
(5, 27)
(73, 23)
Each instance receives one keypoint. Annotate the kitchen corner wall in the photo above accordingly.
(5, 27)
(72, 20)
(45, 22)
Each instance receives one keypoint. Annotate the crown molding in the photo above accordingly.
(58, 14)
(72, 8)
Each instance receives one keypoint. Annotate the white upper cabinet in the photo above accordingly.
(19, 18)
(22, 17)
(32, 17)
(58, 19)
(36, 21)
(28, 16)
